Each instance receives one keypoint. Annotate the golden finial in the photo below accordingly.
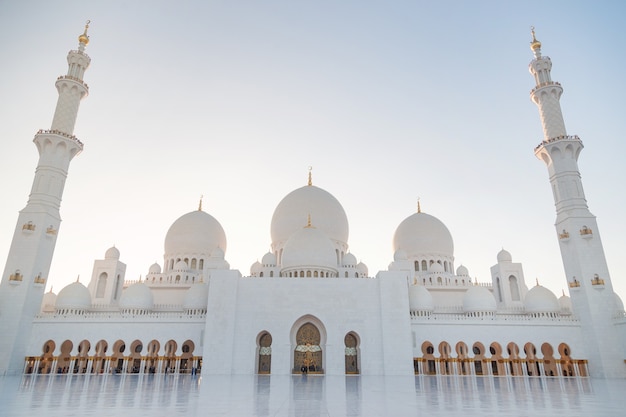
(310, 175)
(534, 44)
(308, 221)
(537, 281)
(84, 39)
(419, 206)
(200, 205)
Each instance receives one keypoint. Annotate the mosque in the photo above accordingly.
(423, 315)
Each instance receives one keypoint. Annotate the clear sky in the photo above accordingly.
(387, 100)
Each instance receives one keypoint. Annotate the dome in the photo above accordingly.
(155, 268)
(269, 259)
(504, 256)
(112, 253)
(618, 305)
(217, 253)
(48, 301)
(478, 299)
(75, 295)
(423, 234)
(541, 300)
(256, 268)
(565, 303)
(326, 213)
(137, 296)
(362, 269)
(349, 259)
(400, 255)
(309, 247)
(181, 266)
(196, 297)
(420, 299)
(462, 271)
(195, 233)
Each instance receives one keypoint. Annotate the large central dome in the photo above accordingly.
(292, 212)
(196, 233)
(422, 234)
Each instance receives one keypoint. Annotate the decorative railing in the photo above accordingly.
(556, 139)
(58, 132)
(545, 84)
(78, 80)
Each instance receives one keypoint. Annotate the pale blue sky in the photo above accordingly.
(387, 101)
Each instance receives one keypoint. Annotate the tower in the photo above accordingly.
(583, 257)
(28, 262)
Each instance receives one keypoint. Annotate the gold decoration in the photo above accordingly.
(83, 38)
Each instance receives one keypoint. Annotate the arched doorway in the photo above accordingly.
(265, 353)
(186, 358)
(351, 353)
(308, 353)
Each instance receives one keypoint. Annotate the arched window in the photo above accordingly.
(417, 265)
(102, 284)
(424, 266)
(201, 266)
(499, 289)
(514, 288)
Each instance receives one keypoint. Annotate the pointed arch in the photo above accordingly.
(308, 341)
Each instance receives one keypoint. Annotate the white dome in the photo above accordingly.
(504, 256)
(462, 271)
(195, 233)
(478, 299)
(618, 305)
(420, 299)
(269, 259)
(75, 295)
(218, 253)
(541, 300)
(112, 253)
(137, 296)
(48, 302)
(181, 266)
(565, 303)
(155, 268)
(400, 255)
(196, 297)
(256, 268)
(292, 212)
(309, 247)
(422, 234)
(349, 259)
(362, 269)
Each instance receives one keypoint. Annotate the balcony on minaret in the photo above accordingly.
(28, 227)
(544, 84)
(78, 80)
(586, 232)
(558, 138)
(16, 276)
(574, 283)
(597, 280)
(58, 132)
(564, 237)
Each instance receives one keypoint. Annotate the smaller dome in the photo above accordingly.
(436, 268)
(196, 297)
(478, 299)
(541, 300)
(218, 253)
(256, 268)
(48, 302)
(75, 295)
(420, 299)
(269, 259)
(181, 266)
(155, 268)
(362, 269)
(349, 259)
(565, 303)
(618, 305)
(112, 253)
(137, 296)
(400, 255)
(504, 256)
(462, 271)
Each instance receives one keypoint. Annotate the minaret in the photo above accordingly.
(577, 231)
(26, 271)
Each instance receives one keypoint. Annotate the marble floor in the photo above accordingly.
(277, 395)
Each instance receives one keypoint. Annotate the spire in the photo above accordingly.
(308, 221)
(200, 204)
(535, 45)
(537, 281)
(310, 176)
(419, 206)
(83, 39)
(78, 278)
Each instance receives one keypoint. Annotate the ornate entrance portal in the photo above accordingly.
(307, 357)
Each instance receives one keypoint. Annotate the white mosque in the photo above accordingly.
(308, 306)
